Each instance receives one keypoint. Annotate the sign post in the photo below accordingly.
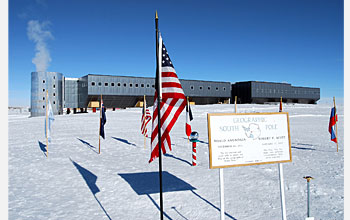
(283, 200)
(244, 139)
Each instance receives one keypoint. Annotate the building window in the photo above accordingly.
(200, 88)
(192, 87)
(124, 84)
(54, 86)
(43, 90)
(43, 98)
(43, 81)
(93, 83)
(130, 85)
(217, 88)
(136, 85)
(43, 106)
(118, 84)
(147, 85)
(106, 84)
(142, 85)
(54, 102)
(208, 87)
(152, 86)
(99, 84)
(53, 77)
(112, 84)
(224, 88)
(54, 94)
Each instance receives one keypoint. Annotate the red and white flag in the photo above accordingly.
(172, 103)
(189, 118)
(280, 105)
(145, 118)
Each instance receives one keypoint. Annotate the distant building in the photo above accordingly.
(78, 94)
(261, 92)
(117, 91)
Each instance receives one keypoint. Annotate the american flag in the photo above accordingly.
(172, 103)
(146, 117)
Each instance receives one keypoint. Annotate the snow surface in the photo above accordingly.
(75, 182)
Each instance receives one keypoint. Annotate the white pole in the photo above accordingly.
(222, 200)
(283, 201)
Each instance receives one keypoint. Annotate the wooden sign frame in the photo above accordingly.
(258, 115)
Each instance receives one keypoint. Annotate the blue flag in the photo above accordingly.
(103, 120)
(49, 121)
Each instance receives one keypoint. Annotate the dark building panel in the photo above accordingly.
(260, 92)
(126, 91)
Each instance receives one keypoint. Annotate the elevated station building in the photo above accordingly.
(261, 92)
(126, 91)
(117, 91)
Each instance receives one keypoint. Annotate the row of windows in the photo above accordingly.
(124, 84)
(209, 88)
(286, 91)
(147, 85)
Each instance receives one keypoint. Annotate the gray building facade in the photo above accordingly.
(127, 91)
(117, 91)
(50, 83)
(260, 92)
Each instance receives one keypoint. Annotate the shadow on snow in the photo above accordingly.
(88, 145)
(177, 158)
(90, 180)
(43, 148)
(124, 141)
(148, 183)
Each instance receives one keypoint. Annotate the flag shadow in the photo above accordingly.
(148, 183)
(89, 145)
(43, 148)
(177, 158)
(199, 196)
(124, 141)
(90, 180)
(303, 148)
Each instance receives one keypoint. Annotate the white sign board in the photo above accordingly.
(243, 139)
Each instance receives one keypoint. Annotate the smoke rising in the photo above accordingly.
(38, 33)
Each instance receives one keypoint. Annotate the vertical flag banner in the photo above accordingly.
(189, 118)
(172, 103)
(145, 118)
(332, 122)
(49, 120)
(281, 104)
(103, 120)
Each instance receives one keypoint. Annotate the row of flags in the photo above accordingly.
(172, 103)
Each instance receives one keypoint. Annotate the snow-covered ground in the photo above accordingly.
(75, 182)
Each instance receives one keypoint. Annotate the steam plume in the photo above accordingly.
(38, 33)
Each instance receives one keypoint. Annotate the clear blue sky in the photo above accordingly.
(296, 41)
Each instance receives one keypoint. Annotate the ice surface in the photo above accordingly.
(75, 182)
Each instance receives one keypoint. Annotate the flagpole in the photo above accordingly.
(47, 142)
(188, 107)
(159, 125)
(144, 118)
(99, 131)
(336, 127)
